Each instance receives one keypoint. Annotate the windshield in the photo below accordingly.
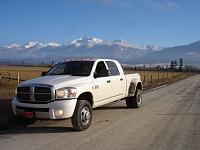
(74, 68)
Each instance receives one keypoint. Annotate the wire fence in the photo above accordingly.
(152, 79)
(9, 81)
(8, 84)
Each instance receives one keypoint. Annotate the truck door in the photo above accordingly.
(117, 81)
(102, 84)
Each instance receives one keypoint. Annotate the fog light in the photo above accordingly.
(59, 113)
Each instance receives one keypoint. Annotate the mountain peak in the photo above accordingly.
(14, 45)
(123, 43)
(85, 41)
(194, 43)
(119, 41)
(33, 44)
(53, 44)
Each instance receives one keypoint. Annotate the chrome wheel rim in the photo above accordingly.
(85, 115)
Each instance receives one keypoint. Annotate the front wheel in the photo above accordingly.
(135, 101)
(82, 116)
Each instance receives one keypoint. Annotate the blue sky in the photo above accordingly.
(159, 22)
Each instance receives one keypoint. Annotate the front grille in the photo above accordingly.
(42, 94)
(24, 93)
(34, 94)
(42, 90)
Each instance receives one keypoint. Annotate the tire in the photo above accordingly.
(135, 101)
(82, 116)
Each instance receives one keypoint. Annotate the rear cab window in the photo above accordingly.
(112, 68)
(101, 70)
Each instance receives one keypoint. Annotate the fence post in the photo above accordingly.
(151, 79)
(18, 78)
(144, 78)
(158, 76)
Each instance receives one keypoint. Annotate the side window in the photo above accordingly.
(112, 68)
(101, 70)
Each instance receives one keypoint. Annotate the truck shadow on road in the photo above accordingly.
(39, 130)
(110, 107)
(117, 105)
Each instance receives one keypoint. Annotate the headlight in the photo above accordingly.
(66, 93)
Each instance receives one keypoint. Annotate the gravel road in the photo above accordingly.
(169, 119)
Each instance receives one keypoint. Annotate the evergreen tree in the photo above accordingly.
(175, 64)
(181, 64)
(172, 65)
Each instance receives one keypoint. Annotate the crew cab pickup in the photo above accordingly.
(71, 89)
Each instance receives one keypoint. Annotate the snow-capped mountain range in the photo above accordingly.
(83, 47)
(98, 48)
(82, 42)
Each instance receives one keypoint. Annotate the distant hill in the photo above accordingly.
(190, 54)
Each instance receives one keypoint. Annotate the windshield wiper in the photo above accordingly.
(79, 75)
(54, 74)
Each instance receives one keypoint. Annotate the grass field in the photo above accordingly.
(7, 86)
(153, 79)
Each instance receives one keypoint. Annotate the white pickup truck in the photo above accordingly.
(71, 89)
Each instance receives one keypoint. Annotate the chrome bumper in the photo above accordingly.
(46, 111)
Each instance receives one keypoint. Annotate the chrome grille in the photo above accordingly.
(42, 93)
(23, 93)
(34, 94)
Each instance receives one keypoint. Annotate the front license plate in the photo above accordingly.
(28, 114)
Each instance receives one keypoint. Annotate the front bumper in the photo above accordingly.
(46, 111)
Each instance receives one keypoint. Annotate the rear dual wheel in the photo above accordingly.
(135, 101)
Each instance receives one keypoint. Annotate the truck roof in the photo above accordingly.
(89, 59)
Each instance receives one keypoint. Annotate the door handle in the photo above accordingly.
(108, 81)
(121, 79)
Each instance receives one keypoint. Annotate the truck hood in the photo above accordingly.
(57, 81)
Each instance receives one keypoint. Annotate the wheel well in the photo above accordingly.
(86, 96)
(131, 89)
(139, 86)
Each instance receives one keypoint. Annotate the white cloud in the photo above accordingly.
(161, 4)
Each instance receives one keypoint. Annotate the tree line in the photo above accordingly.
(172, 66)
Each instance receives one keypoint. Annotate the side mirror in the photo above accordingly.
(44, 74)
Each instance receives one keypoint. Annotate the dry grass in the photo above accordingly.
(7, 87)
(153, 79)
(26, 72)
